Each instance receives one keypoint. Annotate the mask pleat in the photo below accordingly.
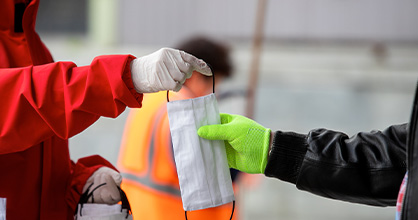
(201, 164)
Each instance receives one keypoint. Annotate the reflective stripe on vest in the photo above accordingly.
(146, 180)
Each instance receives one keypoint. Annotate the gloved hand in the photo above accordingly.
(107, 193)
(247, 142)
(165, 69)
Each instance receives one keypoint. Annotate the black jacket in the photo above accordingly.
(367, 168)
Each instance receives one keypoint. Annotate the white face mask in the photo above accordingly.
(202, 166)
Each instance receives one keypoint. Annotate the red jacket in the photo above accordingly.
(42, 105)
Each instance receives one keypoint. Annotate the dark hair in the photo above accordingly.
(214, 53)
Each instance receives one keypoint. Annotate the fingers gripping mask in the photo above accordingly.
(201, 164)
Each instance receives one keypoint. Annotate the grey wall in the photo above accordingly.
(62, 16)
(339, 19)
(166, 22)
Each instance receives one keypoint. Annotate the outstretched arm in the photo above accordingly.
(367, 168)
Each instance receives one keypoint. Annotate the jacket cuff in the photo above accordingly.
(127, 78)
(286, 156)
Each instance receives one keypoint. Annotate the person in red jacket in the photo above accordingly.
(43, 103)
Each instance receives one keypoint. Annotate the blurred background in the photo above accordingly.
(343, 65)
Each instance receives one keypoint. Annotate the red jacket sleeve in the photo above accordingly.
(61, 99)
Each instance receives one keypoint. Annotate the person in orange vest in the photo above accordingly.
(146, 158)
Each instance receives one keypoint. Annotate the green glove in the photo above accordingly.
(246, 142)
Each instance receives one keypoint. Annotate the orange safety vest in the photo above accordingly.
(146, 162)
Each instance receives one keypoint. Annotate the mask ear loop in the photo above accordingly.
(213, 82)
(213, 78)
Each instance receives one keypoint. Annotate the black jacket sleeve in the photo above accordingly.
(367, 168)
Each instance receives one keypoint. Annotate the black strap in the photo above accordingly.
(232, 214)
(86, 195)
(125, 202)
(213, 81)
(213, 78)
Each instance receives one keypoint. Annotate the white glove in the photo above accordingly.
(108, 193)
(165, 69)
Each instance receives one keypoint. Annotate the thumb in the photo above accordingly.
(197, 64)
(214, 132)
